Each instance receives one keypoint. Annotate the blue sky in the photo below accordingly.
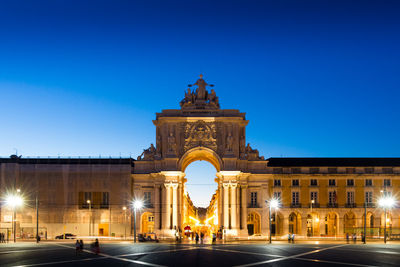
(85, 78)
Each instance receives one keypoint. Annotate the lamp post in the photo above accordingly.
(386, 202)
(273, 203)
(14, 201)
(137, 205)
(90, 216)
(124, 209)
(312, 218)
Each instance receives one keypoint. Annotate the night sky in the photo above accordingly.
(85, 78)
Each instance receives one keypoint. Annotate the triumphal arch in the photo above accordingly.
(199, 130)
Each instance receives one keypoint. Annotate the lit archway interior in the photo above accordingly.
(200, 210)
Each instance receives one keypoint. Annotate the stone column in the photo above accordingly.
(167, 224)
(226, 205)
(285, 225)
(322, 224)
(304, 224)
(174, 205)
(244, 208)
(157, 210)
(233, 206)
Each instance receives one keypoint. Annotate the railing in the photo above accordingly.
(369, 205)
(313, 205)
(253, 205)
(332, 205)
(295, 205)
(350, 205)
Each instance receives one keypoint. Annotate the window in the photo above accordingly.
(314, 196)
(350, 170)
(105, 199)
(332, 170)
(296, 170)
(295, 182)
(332, 197)
(368, 197)
(295, 198)
(350, 182)
(147, 198)
(386, 182)
(350, 197)
(369, 170)
(277, 182)
(368, 182)
(313, 182)
(332, 182)
(253, 199)
(150, 218)
(314, 170)
(277, 195)
(387, 170)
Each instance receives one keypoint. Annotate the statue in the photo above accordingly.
(201, 92)
(188, 96)
(148, 154)
(158, 145)
(229, 142)
(171, 143)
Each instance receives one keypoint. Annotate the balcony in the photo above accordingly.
(313, 205)
(148, 206)
(295, 205)
(104, 206)
(332, 205)
(369, 205)
(253, 206)
(350, 205)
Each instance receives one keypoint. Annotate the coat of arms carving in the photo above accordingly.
(200, 133)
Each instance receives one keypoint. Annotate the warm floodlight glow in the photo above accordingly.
(88, 201)
(316, 219)
(14, 201)
(209, 218)
(194, 219)
(124, 208)
(386, 202)
(137, 204)
(274, 203)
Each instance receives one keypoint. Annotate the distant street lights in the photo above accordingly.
(14, 201)
(137, 205)
(273, 204)
(386, 202)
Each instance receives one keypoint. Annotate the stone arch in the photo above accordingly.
(369, 224)
(147, 222)
(313, 221)
(200, 153)
(253, 223)
(349, 222)
(332, 224)
(294, 223)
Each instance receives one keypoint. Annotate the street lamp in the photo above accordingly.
(273, 203)
(14, 201)
(90, 216)
(124, 209)
(137, 205)
(386, 202)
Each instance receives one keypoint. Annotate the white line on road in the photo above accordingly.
(116, 257)
(244, 252)
(28, 250)
(336, 262)
(155, 252)
(290, 257)
(59, 262)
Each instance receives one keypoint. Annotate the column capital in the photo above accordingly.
(171, 184)
(172, 175)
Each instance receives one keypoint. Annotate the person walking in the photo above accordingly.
(81, 245)
(289, 238)
(77, 247)
(347, 237)
(197, 238)
(354, 238)
(214, 238)
(201, 237)
(96, 247)
(293, 238)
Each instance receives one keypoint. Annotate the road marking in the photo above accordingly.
(59, 262)
(28, 250)
(336, 262)
(155, 252)
(116, 257)
(245, 252)
(290, 257)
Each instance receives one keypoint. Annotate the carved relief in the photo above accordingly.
(200, 133)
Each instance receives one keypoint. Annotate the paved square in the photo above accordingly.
(164, 254)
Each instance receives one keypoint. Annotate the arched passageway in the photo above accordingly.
(253, 223)
(313, 222)
(276, 223)
(332, 224)
(349, 223)
(147, 223)
(294, 223)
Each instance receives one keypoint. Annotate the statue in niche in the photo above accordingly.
(229, 142)
(171, 143)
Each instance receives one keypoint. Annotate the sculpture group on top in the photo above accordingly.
(200, 98)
